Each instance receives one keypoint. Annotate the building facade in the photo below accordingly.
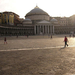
(36, 22)
(0, 18)
(7, 18)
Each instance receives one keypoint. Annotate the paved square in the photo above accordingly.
(37, 55)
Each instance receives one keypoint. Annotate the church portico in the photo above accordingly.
(43, 29)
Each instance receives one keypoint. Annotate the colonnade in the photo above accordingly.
(16, 31)
(44, 29)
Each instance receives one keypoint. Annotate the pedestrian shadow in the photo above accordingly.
(62, 48)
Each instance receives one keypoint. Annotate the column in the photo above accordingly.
(53, 29)
(48, 29)
(35, 29)
(40, 29)
(43, 29)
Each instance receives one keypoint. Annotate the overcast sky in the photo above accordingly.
(53, 7)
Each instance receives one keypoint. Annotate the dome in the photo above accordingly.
(27, 21)
(53, 20)
(37, 14)
(36, 10)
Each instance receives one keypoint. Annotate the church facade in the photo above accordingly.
(40, 20)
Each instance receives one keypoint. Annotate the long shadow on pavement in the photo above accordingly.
(62, 48)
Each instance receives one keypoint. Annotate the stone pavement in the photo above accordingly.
(37, 55)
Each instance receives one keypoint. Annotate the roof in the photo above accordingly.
(36, 10)
(27, 19)
(11, 12)
(44, 21)
(53, 20)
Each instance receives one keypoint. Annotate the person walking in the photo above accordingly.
(65, 40)
(27, 35)
(51, 36)
(5, 41)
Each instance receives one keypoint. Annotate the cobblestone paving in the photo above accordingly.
(52, 61)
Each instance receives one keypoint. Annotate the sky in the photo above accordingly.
(55, 8)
